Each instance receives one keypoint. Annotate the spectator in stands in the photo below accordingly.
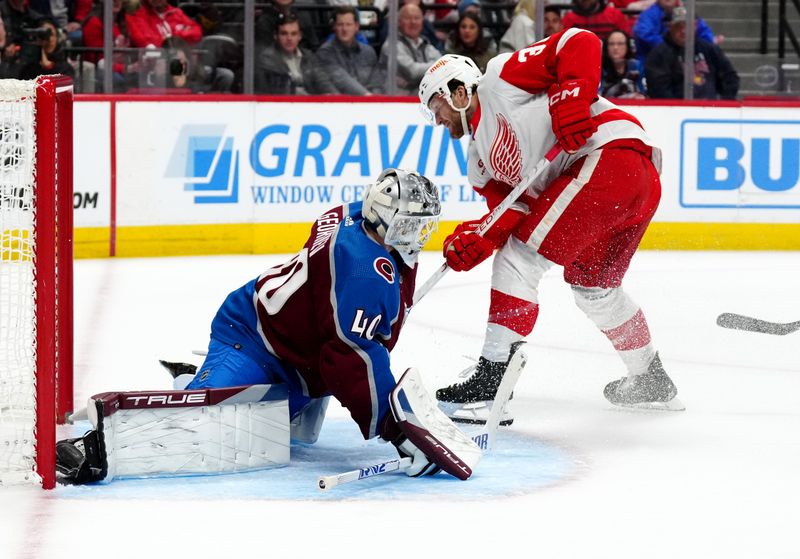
(436, 38)
(595, 16)
(16, 15)
(67, 15)
(552, 21)
(637, 5)
(493, 13)
(474, 7)
(632, 8)
(156, 20)
(415, 54)
(468, 40)
(285, 68)
(124, 65)
(622, 76)
(186, 70)
(266, 26)
(520, 32)
(714, 75)
(351, 65)
(469, 7)
(651, 26)
(47, 56)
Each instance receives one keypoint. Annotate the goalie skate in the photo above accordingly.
(653, 390)
(471, 401)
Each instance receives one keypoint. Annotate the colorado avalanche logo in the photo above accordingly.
(385, 269)
(505, 157)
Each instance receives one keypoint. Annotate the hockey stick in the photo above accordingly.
(484, 439)
(495, 214)
(749, 324)
(326, 483)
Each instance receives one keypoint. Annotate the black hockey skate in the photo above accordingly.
(651, 390)
(471, 401)
(81, 460)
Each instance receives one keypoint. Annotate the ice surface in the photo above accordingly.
(573, 477)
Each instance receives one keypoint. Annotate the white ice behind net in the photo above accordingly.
(17, 283)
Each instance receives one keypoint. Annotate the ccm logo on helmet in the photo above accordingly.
(563, 94)
(385, 269)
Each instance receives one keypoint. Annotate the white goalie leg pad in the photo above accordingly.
(191, 432)
(427, 427)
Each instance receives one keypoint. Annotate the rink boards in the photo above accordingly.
(219, 175)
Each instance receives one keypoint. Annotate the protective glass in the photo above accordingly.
(411, 232)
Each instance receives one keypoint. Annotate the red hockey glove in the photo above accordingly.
(466, 250)
(569, 111)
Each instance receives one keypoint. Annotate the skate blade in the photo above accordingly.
(673, 405)
(474, 413)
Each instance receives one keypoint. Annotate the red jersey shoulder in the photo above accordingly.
(566, 54)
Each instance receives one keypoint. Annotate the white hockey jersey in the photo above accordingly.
(511, 127)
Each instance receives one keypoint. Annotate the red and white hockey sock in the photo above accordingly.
(623, 323)
(632, 341)
(510, 320)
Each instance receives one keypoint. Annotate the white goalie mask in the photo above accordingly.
(403, 207)
(436, 82)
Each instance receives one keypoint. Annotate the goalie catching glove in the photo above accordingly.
(570, 112)
(420, 431)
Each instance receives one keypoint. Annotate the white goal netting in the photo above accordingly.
(17, 283)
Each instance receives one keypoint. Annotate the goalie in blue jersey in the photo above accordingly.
(323, 323)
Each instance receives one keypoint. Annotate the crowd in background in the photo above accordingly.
(339, 46)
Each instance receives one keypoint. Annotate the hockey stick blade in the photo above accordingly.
(326, 483)
(749, 324)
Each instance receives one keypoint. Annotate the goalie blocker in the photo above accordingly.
(179, 432)
(422, 432)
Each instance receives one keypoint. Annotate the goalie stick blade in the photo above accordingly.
(749, 324)
(326, 483)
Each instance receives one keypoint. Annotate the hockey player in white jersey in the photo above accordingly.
(587, 212)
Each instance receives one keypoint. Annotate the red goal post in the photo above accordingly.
(36, 340)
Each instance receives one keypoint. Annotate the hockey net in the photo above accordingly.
(35, 274)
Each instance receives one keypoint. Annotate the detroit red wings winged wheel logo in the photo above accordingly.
(505, 157)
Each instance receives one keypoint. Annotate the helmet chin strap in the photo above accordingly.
(464, 123)
(463, 112)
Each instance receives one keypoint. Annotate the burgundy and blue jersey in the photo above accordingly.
(330, 314)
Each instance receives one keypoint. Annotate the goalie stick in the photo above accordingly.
(495, 214)
(485, 439)
(740, 322)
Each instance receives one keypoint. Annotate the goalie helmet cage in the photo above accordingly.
(35, 275)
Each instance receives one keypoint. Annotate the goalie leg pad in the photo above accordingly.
(430, 430)
(192, 432)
